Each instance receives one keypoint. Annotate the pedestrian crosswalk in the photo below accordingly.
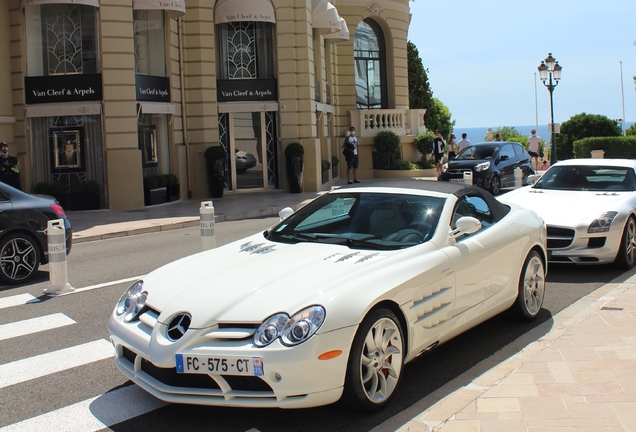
(93, 414)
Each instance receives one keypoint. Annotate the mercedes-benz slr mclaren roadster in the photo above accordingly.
(330, 303)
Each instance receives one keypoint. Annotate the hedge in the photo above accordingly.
(621, 147)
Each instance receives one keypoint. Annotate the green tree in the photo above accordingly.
(583, 126)
(506, 133)
(441, 119)
(420, 93)
(631, 130)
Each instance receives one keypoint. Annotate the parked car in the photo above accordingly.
(589, 206)
(244, 161)
(23, 239)
(331, 302)
(491, 163)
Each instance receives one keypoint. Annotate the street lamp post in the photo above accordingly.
(550, 74)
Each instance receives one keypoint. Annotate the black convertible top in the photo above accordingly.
(499, 210)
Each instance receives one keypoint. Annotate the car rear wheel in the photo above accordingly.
(19, 258)
(626, 257)
(375, 362)
(495, 185)
(531, 288)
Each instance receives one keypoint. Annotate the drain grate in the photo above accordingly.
(609, 308)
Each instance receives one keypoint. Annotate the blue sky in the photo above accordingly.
(482, 55)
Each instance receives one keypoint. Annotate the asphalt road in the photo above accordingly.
(102, 262)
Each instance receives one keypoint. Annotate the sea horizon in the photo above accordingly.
(477, 134)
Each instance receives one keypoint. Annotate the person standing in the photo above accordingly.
(452, 149)
(497, 137)
(438, 152)
(463, 143)
(533, 148)
(9, 173)
(350, 151)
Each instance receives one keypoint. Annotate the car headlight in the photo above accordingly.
(292, 331)
(132, 302)
(602, 223)
(482, 166)
(445, 167)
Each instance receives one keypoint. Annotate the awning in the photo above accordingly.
(324, 17)
(175, 8)
(25, 3)
(157, 108)
(243, 10)
(64, 109)
(343, 34)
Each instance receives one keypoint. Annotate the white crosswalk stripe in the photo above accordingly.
(56, 361)
(92, 414)
(17, 300)
(34, 325)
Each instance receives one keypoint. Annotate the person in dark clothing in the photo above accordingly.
(438, 152)
(9, 173)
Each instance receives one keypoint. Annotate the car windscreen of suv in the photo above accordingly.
(380, 221)
(588, 178)
(478, 152)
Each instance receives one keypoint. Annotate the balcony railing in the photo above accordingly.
(401, 121)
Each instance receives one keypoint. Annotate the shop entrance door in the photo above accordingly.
(249, 139)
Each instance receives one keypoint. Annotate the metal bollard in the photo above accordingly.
(58, 271)
(518, 178)
(468, 177)
(208, 240)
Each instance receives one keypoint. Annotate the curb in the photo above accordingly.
(441, 406)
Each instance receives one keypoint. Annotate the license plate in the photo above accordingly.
(191, 364)
(461, 180)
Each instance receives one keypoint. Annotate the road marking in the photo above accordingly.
(93, 414)
(56, 361)
(17, 300)
(34, 325)
(101, 285)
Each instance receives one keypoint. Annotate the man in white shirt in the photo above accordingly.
(533, 148)
(463, 143)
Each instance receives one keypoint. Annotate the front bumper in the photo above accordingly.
(293, 377)
(577, 246)
(480, 179)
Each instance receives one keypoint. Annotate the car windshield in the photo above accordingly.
(380, 221)
(478, 152)
(588, 178)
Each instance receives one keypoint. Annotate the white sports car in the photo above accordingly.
(589, 207)
(331, 302)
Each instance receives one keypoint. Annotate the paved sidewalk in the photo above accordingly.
(579, 376)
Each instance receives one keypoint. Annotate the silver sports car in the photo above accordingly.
(589, 206)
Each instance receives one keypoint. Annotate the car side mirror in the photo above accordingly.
(532, 179)
(504, 158)
(465, 225)
(286, 212)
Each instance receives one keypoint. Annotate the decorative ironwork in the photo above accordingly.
(270, 149)
(224, 141)
(241, 50)
(63, 30)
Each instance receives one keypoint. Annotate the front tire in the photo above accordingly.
(375, 362)
(626, 257)
(19, 258)
(531, 288)
(495, 185)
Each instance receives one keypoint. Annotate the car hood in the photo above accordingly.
(254, 278)
(554, 205)
(464, 163)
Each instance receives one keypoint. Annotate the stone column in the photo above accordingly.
(7, 119)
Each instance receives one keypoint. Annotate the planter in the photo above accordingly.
(295, 173)
(85, 201)
(216, 177)
(325, 176)
(334, 171)
(155, 196)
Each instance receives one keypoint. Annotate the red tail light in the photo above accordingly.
(58, 210)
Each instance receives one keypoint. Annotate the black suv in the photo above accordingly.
(492, 164)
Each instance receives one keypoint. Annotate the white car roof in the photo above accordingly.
(604, 162)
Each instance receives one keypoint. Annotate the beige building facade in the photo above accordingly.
(124, 93)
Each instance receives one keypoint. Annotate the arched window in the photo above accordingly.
(370, 66)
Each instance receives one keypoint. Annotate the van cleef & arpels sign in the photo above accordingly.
(63, 88)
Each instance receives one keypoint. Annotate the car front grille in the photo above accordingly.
(559, 238)
(458, 172)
